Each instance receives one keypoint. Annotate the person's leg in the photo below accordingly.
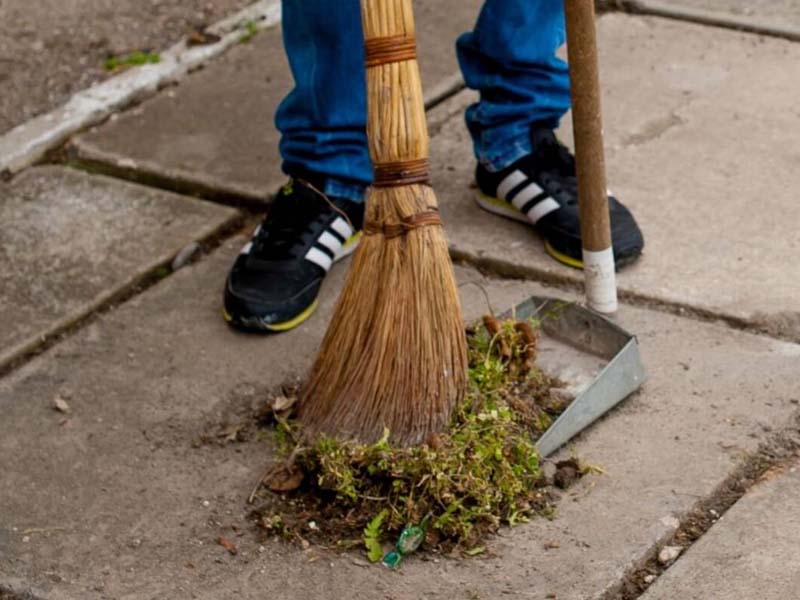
(524, 172)
(323, 119)
(510, 58)
(314, 220)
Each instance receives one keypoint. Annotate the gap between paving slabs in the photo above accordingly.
(74, 243)
(753, 553)
(765, 17)
(141, 508)
(776, 454)
(663, 118)
(29, 142)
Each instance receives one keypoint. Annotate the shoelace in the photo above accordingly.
(284, 230)
(556, 167)
(283, 233)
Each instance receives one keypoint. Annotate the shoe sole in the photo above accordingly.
(502, 208)
(258, 325)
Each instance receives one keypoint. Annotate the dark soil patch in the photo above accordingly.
(6, 594)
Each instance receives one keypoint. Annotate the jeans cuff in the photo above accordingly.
(509, 154)
(340, 189)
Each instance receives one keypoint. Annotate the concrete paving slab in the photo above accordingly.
(214, 133)
(50, 50)
(113, 501)
(752, 552)
(70, 242)
(702, 143)
(770, 17)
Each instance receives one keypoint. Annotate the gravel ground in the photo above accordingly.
(50, 49)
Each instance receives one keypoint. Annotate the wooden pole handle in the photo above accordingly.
(396, 125)
(598, 256)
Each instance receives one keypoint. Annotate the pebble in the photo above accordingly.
(648, 579)
(668, 554)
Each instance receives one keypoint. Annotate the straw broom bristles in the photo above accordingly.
(394, 355)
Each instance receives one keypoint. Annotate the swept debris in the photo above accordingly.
(483, 472)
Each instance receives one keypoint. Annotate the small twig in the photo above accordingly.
(482, 288)
(259, 483)
(328, 200)
(42, 530)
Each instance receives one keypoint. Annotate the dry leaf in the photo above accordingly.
(230, 433)
(61, 405)
(284, 479)
(282, 403)
(200, 37)
(228, 545)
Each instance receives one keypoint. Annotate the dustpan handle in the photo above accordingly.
(598, 257)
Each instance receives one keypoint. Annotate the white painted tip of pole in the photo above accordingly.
(600, 280)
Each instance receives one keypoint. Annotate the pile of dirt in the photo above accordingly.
(482, 473)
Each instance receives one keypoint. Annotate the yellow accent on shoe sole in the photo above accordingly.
(561, 257)
(353, 239)
(292, 323)
(504, 209)
(303, 316)
(500, 207)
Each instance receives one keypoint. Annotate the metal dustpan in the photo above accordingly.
(597, 360)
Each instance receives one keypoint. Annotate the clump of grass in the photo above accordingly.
(481, 473)
(250, 31)
(132, 59)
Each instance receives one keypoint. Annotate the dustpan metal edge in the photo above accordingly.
(622, 376)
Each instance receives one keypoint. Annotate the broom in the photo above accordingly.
(394, 356)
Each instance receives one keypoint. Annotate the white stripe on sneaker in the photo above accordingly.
(542, 208)
(246, 248)
(511, 181)
(318, 257)
(331, 242)
(526, 194)
(341, 227)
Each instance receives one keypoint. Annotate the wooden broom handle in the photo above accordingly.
(598, 257)
(396, 126)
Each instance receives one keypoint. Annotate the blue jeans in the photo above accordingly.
(509, 58)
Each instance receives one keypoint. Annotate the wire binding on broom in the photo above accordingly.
(391, 230)
(403, 172)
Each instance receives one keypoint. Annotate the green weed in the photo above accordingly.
(132, 59)
(251, 29)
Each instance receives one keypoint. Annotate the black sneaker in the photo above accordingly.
(273, 284)
(541, 189)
